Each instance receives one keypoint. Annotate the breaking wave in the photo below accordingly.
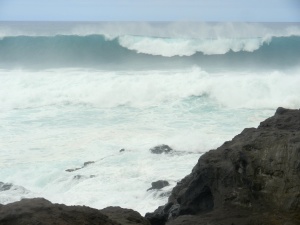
(99, 51)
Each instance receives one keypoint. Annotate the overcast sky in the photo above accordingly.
(151, 10)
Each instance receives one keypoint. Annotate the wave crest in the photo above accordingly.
(168, 47)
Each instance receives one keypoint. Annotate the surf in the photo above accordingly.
(77, 92)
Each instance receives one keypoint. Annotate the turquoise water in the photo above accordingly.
(66, 98)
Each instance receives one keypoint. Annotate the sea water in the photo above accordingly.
(71, 93)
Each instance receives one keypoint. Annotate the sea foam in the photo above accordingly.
(142, 89)
(77, 92)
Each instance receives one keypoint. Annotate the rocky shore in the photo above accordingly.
(254, 179)
(40, 211)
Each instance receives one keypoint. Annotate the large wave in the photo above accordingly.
(149, 45)
(98, 51)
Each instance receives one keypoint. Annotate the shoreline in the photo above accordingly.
(252, 179)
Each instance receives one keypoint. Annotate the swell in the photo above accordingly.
(137, 51)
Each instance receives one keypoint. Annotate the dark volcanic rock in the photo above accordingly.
(254, 179)
(42, 212)
(72, 170)
(85, 164)
(161, 149)
(88, 163)
(124, 216)
(159, 185)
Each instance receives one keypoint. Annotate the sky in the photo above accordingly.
(151, 10)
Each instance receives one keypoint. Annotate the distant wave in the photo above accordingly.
(74, 50)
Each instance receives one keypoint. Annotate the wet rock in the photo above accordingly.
(161, 149)
(88, 163)
(5, 186)
(160, 215)
(124, 216)
(85, 164)
(40, 211)
(158, 185)
(164, 194)
(251, 180)
(72, 170)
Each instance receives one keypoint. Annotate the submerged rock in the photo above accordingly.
(14, 191)
(5, 186)
(254, 179)
(158, 185)
(85, 164)
(82, 177)
(161, 149)
(88, 163)
(72, 170)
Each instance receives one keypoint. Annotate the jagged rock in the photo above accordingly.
(72, 170)
(161, 149)
(40, 211)
(88, 163)
(159, 185)
(85, 164)
(124, 216)
(254, 179)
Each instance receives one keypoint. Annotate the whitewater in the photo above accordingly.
(76, 92)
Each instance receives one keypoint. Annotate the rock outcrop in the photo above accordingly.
(40, 211)
(157, 185)
(254, 179)
(125, 216)
(85, 164)
(159, 149)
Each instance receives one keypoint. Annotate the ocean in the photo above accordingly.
(76, 92)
